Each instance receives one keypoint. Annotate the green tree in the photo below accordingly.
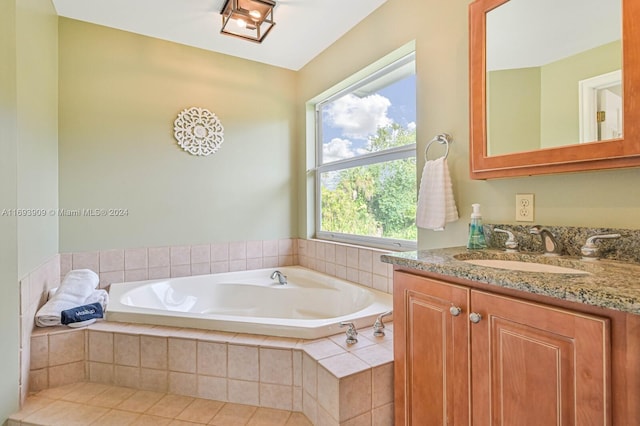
(376, 200)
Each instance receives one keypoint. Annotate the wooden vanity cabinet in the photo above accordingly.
(465, 356)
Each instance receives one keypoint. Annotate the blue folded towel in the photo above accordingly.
(81, 313)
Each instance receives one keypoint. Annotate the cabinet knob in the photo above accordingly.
(455, 310)
(475, 317)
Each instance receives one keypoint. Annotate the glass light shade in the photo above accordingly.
(257, 16)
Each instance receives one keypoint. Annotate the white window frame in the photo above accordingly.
(396, 153)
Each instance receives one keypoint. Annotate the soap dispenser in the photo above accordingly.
(476, 231)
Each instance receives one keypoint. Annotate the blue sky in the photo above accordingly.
(349, 121)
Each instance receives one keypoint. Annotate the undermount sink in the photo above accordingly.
(526, 262)
(517, 265)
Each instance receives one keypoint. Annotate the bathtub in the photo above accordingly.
(311, 305)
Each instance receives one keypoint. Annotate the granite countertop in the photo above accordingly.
(607, 283)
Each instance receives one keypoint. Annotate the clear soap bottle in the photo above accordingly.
(476, 231)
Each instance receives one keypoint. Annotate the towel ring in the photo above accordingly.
(442, 138)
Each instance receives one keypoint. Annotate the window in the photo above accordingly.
(366, 160)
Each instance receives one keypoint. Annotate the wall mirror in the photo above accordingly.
(553, 86)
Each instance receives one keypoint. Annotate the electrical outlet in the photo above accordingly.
(524, 207)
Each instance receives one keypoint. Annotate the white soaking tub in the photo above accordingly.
(311, 305)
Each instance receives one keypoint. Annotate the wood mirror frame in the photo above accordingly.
(611, 154)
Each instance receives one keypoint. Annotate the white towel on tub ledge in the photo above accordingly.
(77, 288)
(436, 204)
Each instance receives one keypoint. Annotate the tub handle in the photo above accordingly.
(378, 326)
(351, 332)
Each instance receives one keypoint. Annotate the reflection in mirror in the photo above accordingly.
(553, 74)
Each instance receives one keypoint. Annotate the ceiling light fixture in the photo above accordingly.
(253, 19)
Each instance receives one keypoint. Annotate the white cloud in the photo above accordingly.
(359, 117)
(411, 126)
(337, 149)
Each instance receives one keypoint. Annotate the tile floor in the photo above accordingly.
(87, 403)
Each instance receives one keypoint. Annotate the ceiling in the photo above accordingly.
(304, 28)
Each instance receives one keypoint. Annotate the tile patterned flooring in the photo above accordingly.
(96, 404)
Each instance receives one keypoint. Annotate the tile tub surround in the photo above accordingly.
(609, 284)
(330, 382)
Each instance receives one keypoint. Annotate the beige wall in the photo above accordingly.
(559, 86)
(513, 121)
(609, 198)
(28, 164)
(119, 96)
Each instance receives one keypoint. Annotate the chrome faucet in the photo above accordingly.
(378, 326)
(590, 250)
(282, 279)
(351, 332)
(551, 246)
(511, 244)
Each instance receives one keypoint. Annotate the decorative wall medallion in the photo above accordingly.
(198, 131)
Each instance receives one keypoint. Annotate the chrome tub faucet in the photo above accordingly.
(282, 279)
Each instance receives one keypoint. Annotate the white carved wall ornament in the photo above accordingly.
(198, 131)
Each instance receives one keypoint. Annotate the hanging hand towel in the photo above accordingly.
(76, 288)
(436, 205)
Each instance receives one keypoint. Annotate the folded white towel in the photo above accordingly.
(76, 288)
(436, 204)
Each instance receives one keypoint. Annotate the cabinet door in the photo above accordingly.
(537, 365)
(431, 352)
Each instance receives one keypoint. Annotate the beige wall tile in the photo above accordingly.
(86, 260)
(100, 346)
(66, 263)
(382, 416)
(180, 255)
(243, 392)
(276, 366)
(212, 359)
(200, 268)
(353, 257)
(212, 388)
(238, 265)
(137, 258)
(66, 347)
(297, 368)
(297, 398)
(243, 362)
(254, 263)
(154, 380)
(126, 349)
(325, 419)
(276, 396)
(270, 262)
(330, 252)
(159, 256)
(270, 248)
(182, 355)
(38, 380)
(153, 352)
(285, 247)
(328, 392)
(341, 255)
(108, 278)
(365, 260)
(101, 373)
(201, 253)
(159, 272)
(310, 375)
(355, 389)
(112, 260)
(382, 385)
(285, 260)
(237, 250)
(310, 407)
(126, 376)
(39, 352)
(183, 384)
(65, 374)
(220, 252)
(254, 249)
(178, 271)
(218, 267)
(136, 275)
